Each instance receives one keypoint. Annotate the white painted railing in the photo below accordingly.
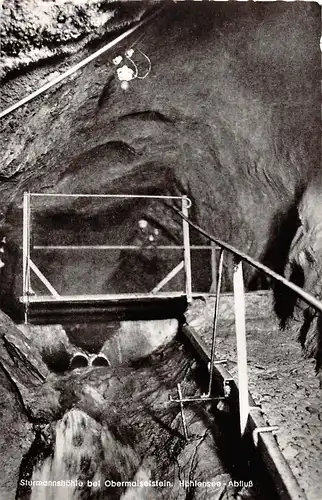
(240, 316)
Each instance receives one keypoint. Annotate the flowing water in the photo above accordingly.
(132, 437)
(84, 455)
(60, 477)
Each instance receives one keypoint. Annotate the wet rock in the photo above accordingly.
(138, 339)
(52, 343)
(283, 383)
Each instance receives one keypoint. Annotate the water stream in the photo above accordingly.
(60, 477)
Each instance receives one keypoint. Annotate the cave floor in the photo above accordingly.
(281, 381)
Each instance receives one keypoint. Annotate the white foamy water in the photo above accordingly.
(77, 444)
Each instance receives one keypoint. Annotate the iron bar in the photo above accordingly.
(103, 297)
(215, 321)
(184, 424)
(26, 252)
(213, 247)
(186, 243)
(187, 202)
(24, 243)
(120, 247)
(168, 277)
(260, 430)
(43, 279)
(201, 399)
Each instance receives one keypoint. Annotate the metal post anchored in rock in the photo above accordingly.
(183, 417)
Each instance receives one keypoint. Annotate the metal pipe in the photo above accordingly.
(118, 247)
(268, 448)
(78, 66)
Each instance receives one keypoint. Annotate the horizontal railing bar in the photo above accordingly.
(307, 297)
(84, 195)
(118, 247)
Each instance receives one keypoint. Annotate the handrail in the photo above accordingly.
(129, 196)
(307, 297)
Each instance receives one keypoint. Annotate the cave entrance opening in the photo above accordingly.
(45, 301)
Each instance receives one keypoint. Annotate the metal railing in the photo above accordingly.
(28, 246)
(240, 318)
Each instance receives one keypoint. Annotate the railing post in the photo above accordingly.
(186, 244)
(240, 322)
(26, 251)
(213, 287)
(215, 323)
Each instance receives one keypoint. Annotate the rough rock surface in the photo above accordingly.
(34, 32)
(229, 115)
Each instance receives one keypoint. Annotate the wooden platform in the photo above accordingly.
(100, 308)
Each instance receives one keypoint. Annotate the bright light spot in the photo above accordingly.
(117, 60)
(125, 74)
(143, 223)
(124, 85)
